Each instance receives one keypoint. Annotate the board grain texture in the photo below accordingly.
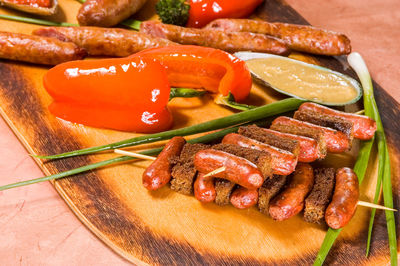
(164, 227)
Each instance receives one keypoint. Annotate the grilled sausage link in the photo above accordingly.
(204, 189)
(291, 200)
(237, 170)
(38, 50)
(298, 37)
(283, 162)
(364, 127)
(243, 198)
(227, 41)
(345, 198)
(104, 41)
(336, 141)
(107, 13)
(158, 173)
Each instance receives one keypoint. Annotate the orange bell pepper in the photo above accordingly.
(204, 11)
(203, 67)
(128, 94)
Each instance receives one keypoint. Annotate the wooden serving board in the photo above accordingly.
(167, 228)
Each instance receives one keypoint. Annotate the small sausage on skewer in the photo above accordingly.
(308, 148)
(204, 189)
(283, 162)
(107, 13)
(291, 200)
(237, 170)
(38, 50)
(345, 199)
(158, 174)
(298, 37)
(227, 41)
(104, 41)
(364, 127)
(336, 141)
(243, 198)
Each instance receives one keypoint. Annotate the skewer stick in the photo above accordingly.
(361, 112)
(216, 171)
(222, 169)
(134, 154)
(372, 205)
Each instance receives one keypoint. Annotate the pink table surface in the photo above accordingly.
(37, 227)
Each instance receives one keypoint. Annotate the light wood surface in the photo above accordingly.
(169, 227)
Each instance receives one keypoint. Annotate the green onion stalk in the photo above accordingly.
(360, 168)
(203, 139)
(255, 114)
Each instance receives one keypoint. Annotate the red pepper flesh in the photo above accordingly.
(203, 67)
(127, 94)
(204, 11)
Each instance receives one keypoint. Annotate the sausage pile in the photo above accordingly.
(271, 166)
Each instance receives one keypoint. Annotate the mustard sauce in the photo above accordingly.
(304, 81)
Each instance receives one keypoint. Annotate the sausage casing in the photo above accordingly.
(291, 200)
(39, 50)
(204, 189)
(344, 200)
(364, 127)
(283, 162)
(237, 170)
(336, 141)
(158, 173)
(298, 37)
(243, 198)
(104, 41)
(107, 13)
(227, 41)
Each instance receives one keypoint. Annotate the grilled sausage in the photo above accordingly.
(237, 170)
(298, 37)
(107, 13)
(158, 173)
(336, 141)
(291, 200)
(104, 41)
(345, 198)
(204, 189)
(227, 41)
(38, 50)
(308, 148)
(364, 127)
(283, 162)
(243, 198)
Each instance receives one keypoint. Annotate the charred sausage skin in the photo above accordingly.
(344, 200)
(38, 50)
(158, 174)
(227, 41)
(104, 41)
(298, 37)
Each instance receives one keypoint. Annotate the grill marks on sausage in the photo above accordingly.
(298, 37)
(227, 41)
(104, 41)
(38, 50)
